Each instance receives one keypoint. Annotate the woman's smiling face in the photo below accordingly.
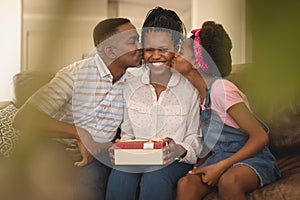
(158, 51)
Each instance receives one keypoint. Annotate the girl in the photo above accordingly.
(240, 160)
(156, 108)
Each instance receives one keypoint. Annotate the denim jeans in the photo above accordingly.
(91, 181)
(154, 185)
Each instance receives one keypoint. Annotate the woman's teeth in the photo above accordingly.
(157, 64)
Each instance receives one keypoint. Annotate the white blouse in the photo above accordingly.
(175, 114)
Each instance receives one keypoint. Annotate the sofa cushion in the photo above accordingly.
(285, 136)
(26, 83)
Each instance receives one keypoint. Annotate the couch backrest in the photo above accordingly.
(283, 119)
(28, 82)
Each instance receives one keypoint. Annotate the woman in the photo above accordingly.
(156, 108)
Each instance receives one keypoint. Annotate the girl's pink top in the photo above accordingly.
(225, 94)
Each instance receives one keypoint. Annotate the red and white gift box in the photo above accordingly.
(139, 152)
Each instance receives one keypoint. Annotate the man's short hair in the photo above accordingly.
(107, 28)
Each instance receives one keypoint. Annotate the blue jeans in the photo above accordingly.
(91, 181)
(154, 185)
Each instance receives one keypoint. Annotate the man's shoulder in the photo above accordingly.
(79, 66)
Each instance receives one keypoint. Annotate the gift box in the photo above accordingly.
(137, 152)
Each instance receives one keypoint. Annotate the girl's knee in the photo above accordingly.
(184, 182)
(239, 179)
(228, 182)
(191, 187)
(188, 182)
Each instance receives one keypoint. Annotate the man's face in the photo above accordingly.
(126, 46)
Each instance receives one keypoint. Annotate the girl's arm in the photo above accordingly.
(258, 138)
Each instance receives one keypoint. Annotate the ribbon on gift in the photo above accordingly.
(139, 144)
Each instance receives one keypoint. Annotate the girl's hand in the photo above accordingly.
(210, 174)
(200, 161)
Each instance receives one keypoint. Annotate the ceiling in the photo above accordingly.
(172, 4)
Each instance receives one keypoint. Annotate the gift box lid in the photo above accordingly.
(140, 144)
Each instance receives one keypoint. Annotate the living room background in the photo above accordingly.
(49, 34)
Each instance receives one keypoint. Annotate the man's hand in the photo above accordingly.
(74, 151)
(86, 156)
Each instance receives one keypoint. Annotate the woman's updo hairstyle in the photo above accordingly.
(159, 19)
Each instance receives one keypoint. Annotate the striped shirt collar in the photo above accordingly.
(103, 69)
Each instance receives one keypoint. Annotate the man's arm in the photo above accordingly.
(30, 119)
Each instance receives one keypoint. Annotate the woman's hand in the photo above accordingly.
(172, 151)
(111, 151)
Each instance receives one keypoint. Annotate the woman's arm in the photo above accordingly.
(192, 140)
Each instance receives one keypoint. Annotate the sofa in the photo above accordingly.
(57, 183)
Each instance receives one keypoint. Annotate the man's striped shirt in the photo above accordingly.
(83, 93)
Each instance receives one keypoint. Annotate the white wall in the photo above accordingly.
(58, 32)
(125, 8)
(10, 45)
(231, 14)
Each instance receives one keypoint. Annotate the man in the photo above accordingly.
(84, 101)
